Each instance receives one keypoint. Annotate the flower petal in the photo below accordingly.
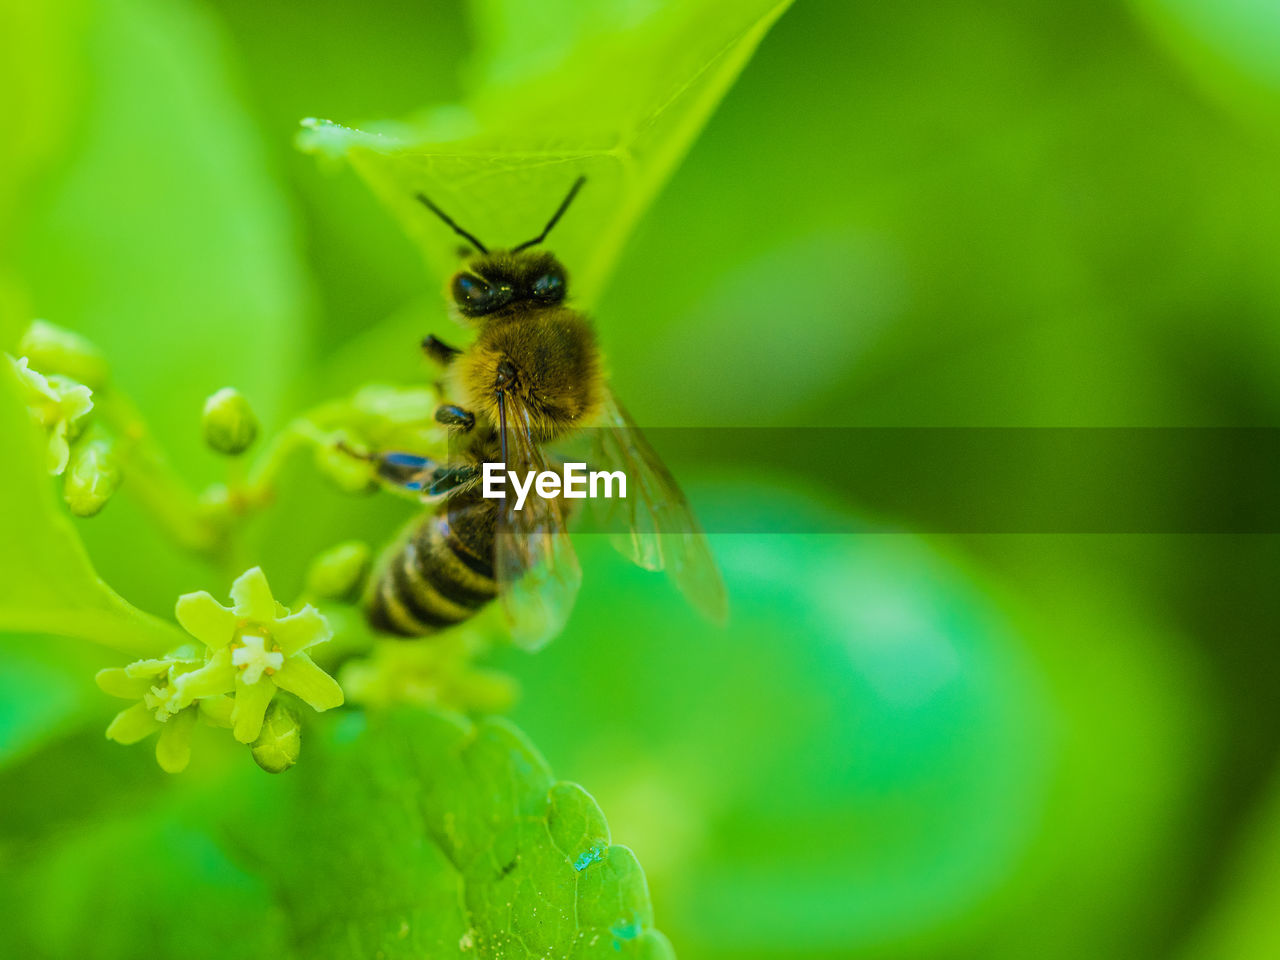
(301, 677)
(59, 450)
(149, 669)
(216, 711)
(133, 725)
(35, 384)
(250, 706)
(206, 619)
(74, 399)
(251, 596)
(173, 749)
(117, 682)
(304, 629)
(214, 678)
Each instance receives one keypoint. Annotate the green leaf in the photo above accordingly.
(36, 85)
(1241, 922)
(185, 272)
(46, 691)
(159, 885)
(423, 835)
(1230, 45)
(888, 727)
(47, 584)
(408, 835)
(842, 810)
(190, 255)
(616, 92)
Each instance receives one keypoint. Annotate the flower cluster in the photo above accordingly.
(252, 649)
(60, 400)
(152, 684)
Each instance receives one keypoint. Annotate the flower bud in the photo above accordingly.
(348, 473)
(91, 478)
(279, 743)
(54, 350)
(337, 573)
(229, 424)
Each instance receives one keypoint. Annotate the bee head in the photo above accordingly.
(500, 278)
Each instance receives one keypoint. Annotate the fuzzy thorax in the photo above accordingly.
(545, 360)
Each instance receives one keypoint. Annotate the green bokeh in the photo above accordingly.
(989, 213)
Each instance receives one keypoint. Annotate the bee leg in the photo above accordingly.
(407, 470)
(452, 415)
(446, 478)
(439, 351)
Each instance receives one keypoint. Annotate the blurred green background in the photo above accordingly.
(984, 213)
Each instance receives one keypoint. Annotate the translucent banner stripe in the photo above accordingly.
(971, 480)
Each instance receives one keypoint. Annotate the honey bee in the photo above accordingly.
(532, 376)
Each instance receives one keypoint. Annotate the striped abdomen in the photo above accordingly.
(444, 572)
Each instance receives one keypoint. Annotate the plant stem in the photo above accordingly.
(151, 479)
(259, 488)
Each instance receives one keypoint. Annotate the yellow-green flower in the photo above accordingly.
(255, 647)
(153, 684)
(57, 404)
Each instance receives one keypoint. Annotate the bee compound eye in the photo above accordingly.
(549, 286)
(472, 292)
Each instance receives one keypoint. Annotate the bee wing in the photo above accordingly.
(662, 532)
(535, 567)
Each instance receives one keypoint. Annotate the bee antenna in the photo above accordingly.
(449, 221)
(564, 205)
